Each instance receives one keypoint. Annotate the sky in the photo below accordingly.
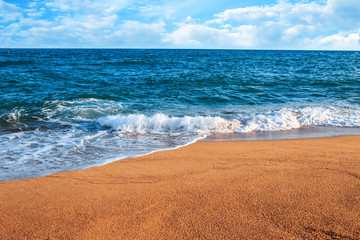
(200, 24)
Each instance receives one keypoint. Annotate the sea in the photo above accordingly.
(68, 109)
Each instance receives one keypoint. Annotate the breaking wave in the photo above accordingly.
(275, 120)
(160, 124)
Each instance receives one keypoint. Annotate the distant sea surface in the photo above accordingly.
(63, 109)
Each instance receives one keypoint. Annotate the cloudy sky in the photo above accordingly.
(233, 24)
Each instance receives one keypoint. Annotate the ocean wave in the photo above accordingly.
(18, 62)
(87, 108)
(37, 152)
(105, 113)
(329, 116)
(275, 120)
(160, 123)
(291, 118)
(14, 117)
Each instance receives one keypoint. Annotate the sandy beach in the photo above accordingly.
(284, 189)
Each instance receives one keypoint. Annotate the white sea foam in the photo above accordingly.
(38, 152)
(329, 116)
(291, 118)
(14, 116)
(275, 120)
(160, 123)
(269, 121)
(88, 108)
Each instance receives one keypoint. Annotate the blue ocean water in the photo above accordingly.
(66, 109)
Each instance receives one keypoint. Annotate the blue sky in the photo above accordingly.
(224, 24)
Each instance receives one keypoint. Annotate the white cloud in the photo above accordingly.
(253, 13)
(34, 11)
(8, 12)
(332, 24)
(283, 13)
(282, 25)
(336, 41)
(33, 4)
(152, 10)
(343, 8)
(294, 32)
(88, 23)
(137, 34)
(199, 36)
(103, 6)
(96, 25)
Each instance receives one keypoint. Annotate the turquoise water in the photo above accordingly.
(63, 109)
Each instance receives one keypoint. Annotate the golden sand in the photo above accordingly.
(286, 189)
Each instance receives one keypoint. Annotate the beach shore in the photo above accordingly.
(281, 189)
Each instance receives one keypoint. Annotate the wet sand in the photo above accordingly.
(283, 189)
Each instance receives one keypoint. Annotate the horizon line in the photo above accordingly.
(145, 48)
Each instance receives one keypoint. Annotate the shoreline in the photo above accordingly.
(305, 132)
(298, 188)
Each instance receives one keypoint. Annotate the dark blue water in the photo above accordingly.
(70, 109)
